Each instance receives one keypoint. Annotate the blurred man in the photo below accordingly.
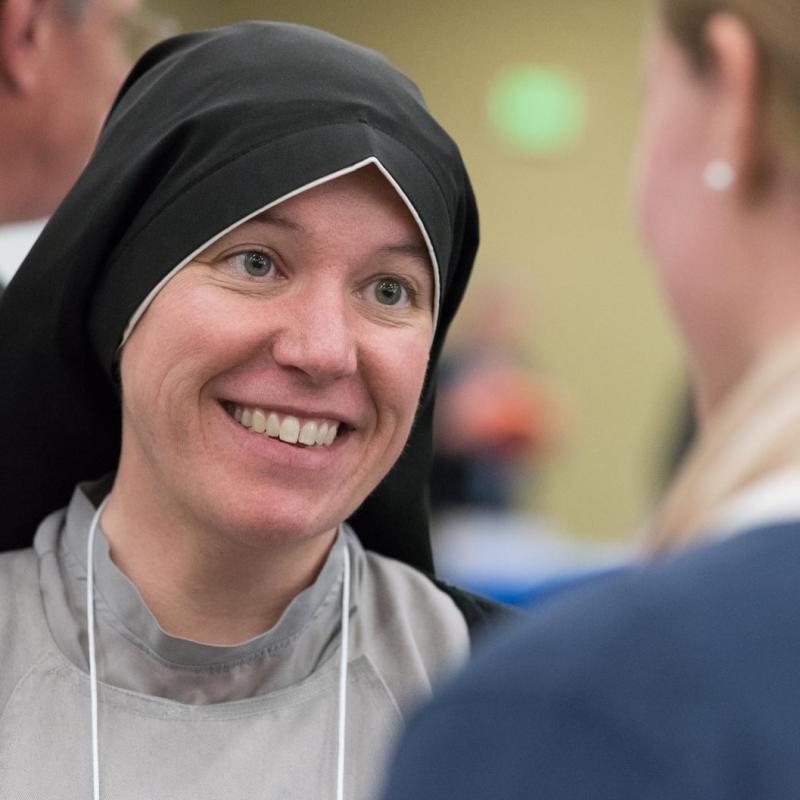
(61, 63)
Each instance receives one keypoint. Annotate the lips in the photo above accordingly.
(308, 432)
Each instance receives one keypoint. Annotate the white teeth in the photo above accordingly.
(332, 431)
(308, 433)
(273, 426)
(290, 430)
(259, 421)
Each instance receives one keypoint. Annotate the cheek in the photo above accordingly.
(669, 197)
(170, 356)
(650, 178)
(678, 220)
(399, 373)
(149, 377)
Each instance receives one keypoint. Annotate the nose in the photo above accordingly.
(318, 337)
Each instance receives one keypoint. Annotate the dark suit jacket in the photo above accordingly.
(680, 681)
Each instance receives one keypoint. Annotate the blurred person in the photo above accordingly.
(497, 419)
(679, 679)
(61, 63)
(249, 285)
(495, 414)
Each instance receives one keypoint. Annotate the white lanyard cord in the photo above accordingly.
(92, 656)
(344, 650)
(343, 653)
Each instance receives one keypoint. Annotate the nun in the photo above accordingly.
(218, 370)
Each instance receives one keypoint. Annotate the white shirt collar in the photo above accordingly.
(773, 499)
(15, 242)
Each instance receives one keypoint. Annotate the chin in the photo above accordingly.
(270, 519)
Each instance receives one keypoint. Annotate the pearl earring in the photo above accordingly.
(719, 175)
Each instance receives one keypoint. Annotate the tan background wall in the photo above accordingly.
(559, 229)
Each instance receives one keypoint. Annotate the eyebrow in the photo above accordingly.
(412, 249)
(270, 218)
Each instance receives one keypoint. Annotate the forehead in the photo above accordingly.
(365, 187)
(363, 202)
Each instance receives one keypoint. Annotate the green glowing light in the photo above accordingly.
(539, 110)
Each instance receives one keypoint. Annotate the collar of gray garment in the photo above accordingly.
(135, 653)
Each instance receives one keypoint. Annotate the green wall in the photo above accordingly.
(559, 230)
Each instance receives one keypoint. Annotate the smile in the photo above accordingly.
(287, 428)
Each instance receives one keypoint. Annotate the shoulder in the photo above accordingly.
(411, 589)
(402, 598)
(412, 631)
(18, 580)
(709, 596)
(20, 595)
(480, 613)
(707, 618)
(21, 616)
(644, 684)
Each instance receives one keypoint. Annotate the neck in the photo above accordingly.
(713, 382)
(200, 584)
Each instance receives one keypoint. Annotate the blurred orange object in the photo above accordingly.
(498, 407)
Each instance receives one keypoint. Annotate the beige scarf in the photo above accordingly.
(754, 433)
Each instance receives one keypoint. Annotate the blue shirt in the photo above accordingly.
(677, 680)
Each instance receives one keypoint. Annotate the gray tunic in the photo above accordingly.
(179, 719)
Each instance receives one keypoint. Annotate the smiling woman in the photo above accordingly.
(249, 317)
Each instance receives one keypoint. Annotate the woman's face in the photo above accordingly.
(312, 318)
(683, 223)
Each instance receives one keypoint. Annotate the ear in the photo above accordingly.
(25, 31)
(736, 131)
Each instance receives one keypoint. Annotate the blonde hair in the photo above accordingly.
(755, 433)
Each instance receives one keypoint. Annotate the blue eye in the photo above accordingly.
(254, 263)
(388, 291)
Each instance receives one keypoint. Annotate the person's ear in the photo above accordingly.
(25, 34)
(737, 130)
